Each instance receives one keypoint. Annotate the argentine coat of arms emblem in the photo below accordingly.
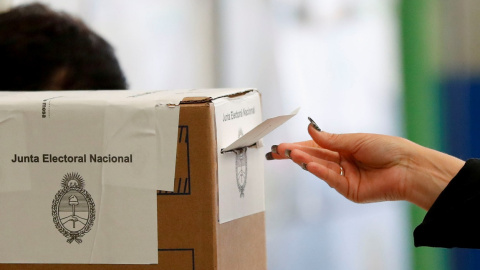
(241, 167)
(73, 209)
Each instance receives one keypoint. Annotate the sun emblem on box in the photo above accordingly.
(241, 167)
(73, 209)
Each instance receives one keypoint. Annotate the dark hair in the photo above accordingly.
(41, 49)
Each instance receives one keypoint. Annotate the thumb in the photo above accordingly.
(333, 142)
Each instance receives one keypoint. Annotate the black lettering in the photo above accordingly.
(44, 109)
(25, 159)
(226, 117)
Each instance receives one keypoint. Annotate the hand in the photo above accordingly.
(371, 167)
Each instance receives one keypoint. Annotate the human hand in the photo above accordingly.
(371, 167)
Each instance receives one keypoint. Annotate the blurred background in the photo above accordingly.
(409, 68)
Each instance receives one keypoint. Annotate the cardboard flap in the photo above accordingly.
(254, 135)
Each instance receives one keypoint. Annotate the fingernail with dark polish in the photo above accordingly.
(275, 149)
(315, 126)
(287, 153)
(304, 166)
(269, 156)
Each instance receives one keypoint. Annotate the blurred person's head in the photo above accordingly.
(41, 49)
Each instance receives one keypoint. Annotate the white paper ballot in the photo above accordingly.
(254, 135)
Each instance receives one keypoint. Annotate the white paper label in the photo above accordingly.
(240, 172)
(78, 179)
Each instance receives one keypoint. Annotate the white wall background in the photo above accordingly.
(336, 59)
(339, 61)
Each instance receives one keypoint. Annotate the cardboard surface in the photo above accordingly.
(190, 229)
(241, 243)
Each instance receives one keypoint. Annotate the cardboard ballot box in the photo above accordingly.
(90, 180)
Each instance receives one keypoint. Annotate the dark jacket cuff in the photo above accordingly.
(454, 218)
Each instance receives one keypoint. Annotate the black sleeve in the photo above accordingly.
(454, 218)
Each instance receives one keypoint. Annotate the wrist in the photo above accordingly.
(431, 171)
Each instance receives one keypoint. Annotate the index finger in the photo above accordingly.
(279, 151)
